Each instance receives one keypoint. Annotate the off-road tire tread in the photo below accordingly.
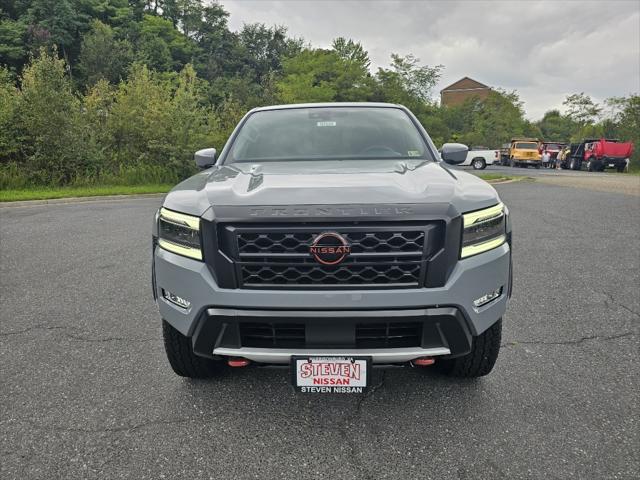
(181, 357)
(481, 359)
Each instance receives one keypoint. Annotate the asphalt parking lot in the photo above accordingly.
(86, 391)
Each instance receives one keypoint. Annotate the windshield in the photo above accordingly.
(331, 133)
(527, 146)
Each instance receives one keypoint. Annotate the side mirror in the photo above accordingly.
(205, 158)
(454, 153)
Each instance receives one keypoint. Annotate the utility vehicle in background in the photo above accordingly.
(596, 155)
(480, 157)
(504, 154)
(552, 147)
(524, 152)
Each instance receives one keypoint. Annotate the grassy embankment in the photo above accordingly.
(46, 193)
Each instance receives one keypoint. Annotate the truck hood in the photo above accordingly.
(353, 182)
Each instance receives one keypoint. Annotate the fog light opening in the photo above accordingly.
(423, 361)
(175, 299)
(489, 297)
(237, 362)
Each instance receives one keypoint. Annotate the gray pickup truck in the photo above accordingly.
(332, 238)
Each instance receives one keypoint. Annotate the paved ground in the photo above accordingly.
(86, 392)
(541, 172)
(600, 181)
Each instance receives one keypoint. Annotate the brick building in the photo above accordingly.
(458, 92)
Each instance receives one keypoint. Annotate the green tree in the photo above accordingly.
(265, 48)
(322, 76)
(488, 122)
(97, 106)
(416, 80)
(139, 119)
(13, 50)
(582, 109)
(351, 51)
(9, 135)
(103, 56)
(219, 53)
(162, 47)
(556, 127)
(60, 24)
(49, 116)
(189, 126)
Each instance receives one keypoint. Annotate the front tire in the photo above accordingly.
(575, 164)
(478, 164)
(481, 359)
(181, 357)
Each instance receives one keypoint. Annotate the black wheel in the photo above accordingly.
(574, 164)
(538, 167)
(478, 164)
(619, 168)
(481, 359)
(181, 357)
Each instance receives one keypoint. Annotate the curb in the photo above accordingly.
(68, 200)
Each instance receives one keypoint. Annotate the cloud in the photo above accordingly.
(543, 49)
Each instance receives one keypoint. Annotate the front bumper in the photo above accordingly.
(387, 336)
(615, 162)
(190, 279)
(528, 161)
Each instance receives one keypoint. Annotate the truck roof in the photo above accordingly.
(327, 104)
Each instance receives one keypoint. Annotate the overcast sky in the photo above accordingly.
(543, 49)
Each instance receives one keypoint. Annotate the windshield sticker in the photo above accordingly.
(413, 153)
(326, 124)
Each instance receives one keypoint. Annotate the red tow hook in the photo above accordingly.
(238, 362)
(423, 361)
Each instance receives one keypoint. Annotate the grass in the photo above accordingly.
(498, 177)
(43, 193)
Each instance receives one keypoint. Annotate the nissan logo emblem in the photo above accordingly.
(330, 248)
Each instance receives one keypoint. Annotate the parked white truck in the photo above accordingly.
(480, 157)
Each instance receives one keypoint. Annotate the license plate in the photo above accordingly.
(330, 374)
(612, 164)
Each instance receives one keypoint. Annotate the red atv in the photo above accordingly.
(552, 147)
(605, 153)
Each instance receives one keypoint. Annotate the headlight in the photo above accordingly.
(179, 233)
(483, 230)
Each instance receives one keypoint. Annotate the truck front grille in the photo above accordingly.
(361, 242)
(367, 335)
(401, 273)
(279, 256)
